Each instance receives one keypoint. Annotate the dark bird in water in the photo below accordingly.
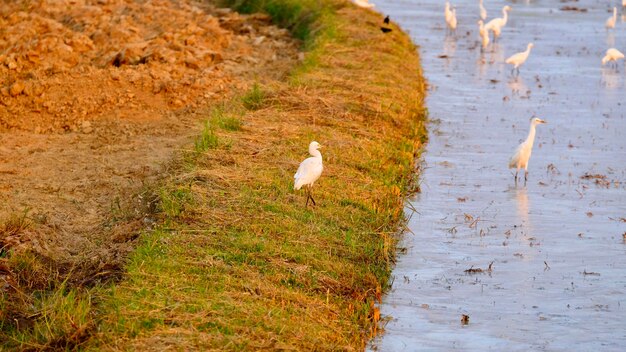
(385, 29)
(386, 20)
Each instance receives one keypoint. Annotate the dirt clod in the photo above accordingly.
(464, 319)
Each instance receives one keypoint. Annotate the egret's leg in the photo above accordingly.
(306, 190)
(525, 176)
(311, 196)
(516, 172)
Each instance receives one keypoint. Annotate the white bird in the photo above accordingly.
(483, 33)
(610, 22)
(498, 23)
(522, 153)
(364, 4)
(612, 55)
(452, 22)
(447, 13)
(483, 11)
(309, 171)
(518, 59)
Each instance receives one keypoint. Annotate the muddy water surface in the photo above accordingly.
(555, 244)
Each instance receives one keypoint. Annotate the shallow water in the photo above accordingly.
(558, 278)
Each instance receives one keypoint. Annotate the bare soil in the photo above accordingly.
(95, 98)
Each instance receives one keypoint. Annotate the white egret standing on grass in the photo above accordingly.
(612, 55)
(522, 153)
(610, 22)
(498, 23)
(483, 11)
(518, 59)
(309, 171)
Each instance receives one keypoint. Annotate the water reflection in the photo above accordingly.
(496, 54)
(481, 65)
(610, 39)
(521, 200)
(517, 86)
(449, 45)
(611, 77)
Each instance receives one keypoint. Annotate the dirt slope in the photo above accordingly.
(96, 96)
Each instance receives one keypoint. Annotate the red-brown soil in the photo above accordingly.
(97, 96)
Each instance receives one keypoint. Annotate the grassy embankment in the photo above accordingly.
(236, 261)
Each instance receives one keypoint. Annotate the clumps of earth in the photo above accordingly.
(97, 97)
(65, 63)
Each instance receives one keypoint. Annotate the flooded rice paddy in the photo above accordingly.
(535, 266)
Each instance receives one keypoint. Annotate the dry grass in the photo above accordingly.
(236, 262)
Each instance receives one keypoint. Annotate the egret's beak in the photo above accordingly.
(543, 121)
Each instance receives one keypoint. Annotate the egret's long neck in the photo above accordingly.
(316, 153)
(528, 51)
(531, 135)
(614, 14)
(505, 15)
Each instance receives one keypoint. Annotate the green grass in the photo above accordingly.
(174, 201)
(226, 120)
(207, 139)
(63, 321)
(299, 16)
(253, 100)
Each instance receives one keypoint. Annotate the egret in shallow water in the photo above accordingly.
(498, 23)
(483, 11)
(452, 22)
(484, 34)
(612, 55)
(447, 13)
(610, 22)
(518, 59)
(309, 171)
(522, 153)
